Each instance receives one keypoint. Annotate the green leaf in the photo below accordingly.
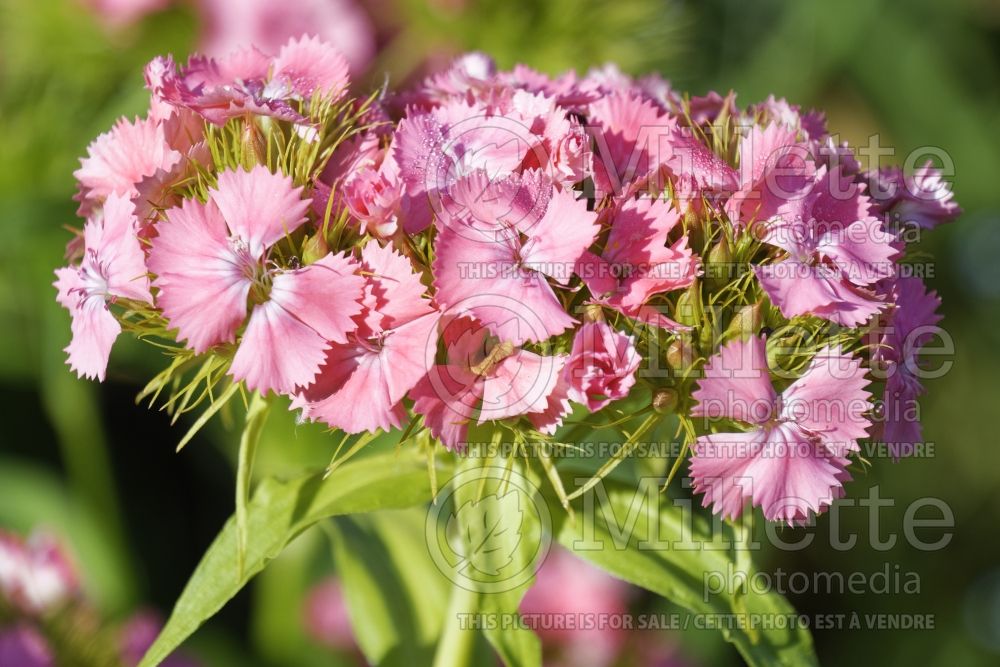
(635, 533)
(279, 512)
(255, 420)
(396, 596)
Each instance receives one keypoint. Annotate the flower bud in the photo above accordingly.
(680, 354)
(689, 310)
(719, 264)
(314, 248)
(747, 320)
(254, 148)
(593, 312)
(664, 401)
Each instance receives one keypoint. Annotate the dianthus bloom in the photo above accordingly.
(113, 267)
(792, 458)
(497, 252)
(211, 257)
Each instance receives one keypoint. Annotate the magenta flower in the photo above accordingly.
(210, 258)
(390, 350)
(792, 458)
(836, 250)
(910, 323)
(113, 267)
(637, 263)
(23, 646)
(482, 379)
(501, 250)
(601, 366)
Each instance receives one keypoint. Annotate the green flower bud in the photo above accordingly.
(689, 309)
(718, 266)
(314, 248)
(746, 321)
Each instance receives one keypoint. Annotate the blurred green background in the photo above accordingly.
(82, 459)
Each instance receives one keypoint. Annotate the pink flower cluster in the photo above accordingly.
(503, 246)
(38, 582)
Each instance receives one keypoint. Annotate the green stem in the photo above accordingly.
(455, 648)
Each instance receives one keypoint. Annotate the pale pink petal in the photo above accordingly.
(120, 254)
(830, 400)
(519, 384)
(117, 160)
(258, 206)
(203, 286)
(798, 288)
(278, 352)
(394, 286)
(351, 393)
(482, 277)
(94, 332)
(308, 64)
(719, 464)
(794, 475)
(447, 398)
(631, 134)
(559, 238)
(69, 286)
(325, 295)
(381, 371)
(737, 384)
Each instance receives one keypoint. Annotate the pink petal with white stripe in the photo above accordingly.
(203, 281)
(258, 206)
(324, 295)
(278, 352)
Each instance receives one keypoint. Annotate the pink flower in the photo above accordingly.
(927, 200)
(637, 263)
(566, 586)
(632, 135)
(911, 322)
(497, 250)
(792, 459)
(373, 197)
(391, 349)
(210, 258)
(268, 24)
(250, 82)
(775, 167)
(118, 160)
(601, 366)
(482, 379)
(326, 616)
(35, 575)
(836, 252)
(113, 267)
